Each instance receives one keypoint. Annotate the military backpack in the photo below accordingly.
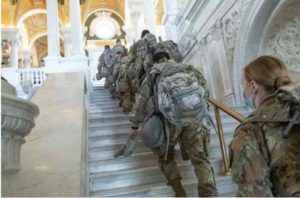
(180, 93)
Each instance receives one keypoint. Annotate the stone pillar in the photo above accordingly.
(17, 121)
(76, 28)
(171, 11)
(66, 37)
(150, 16)
(136, 24)
(52, 60)
(14, 56)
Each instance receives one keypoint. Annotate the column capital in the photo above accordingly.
(66, 34)
(10, 34)
(25, 54)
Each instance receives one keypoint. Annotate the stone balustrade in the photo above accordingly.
(37, 76)
(17, 120)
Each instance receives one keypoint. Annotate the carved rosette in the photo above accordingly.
(286, 44)
(17, 120)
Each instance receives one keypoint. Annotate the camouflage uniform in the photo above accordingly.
(263, 162)
(123, 86)
(133, 86)
(193, 139)
(118, 52)
(101, 65)
(143, 55)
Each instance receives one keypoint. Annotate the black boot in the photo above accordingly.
(178, 189)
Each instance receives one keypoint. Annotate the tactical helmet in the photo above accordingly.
(160, 51)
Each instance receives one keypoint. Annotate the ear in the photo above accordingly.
(254, 86)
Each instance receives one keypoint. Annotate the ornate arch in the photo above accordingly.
(102, 9)
(36, 37)
(30, 13)
(249, 39)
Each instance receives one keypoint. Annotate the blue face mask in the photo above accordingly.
(248, 100)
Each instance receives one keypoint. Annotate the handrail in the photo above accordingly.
(227, 110)
(217, 107)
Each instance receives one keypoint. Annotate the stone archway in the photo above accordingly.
(249, 38)
(281, 37)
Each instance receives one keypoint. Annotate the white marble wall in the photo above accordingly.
(222, 37)
(51, 158)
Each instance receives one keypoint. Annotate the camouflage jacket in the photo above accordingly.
(145, 104)
(263, 162)
(143, 54)
(101, 61)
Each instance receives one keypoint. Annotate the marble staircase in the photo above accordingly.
(139, 175)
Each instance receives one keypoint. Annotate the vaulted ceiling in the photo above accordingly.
(30, 17)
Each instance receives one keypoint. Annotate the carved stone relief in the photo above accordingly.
(230, 27)
(217, 61)
(283, 37)
(286, 45)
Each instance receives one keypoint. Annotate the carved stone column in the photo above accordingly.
(76, 28)
(17, 121)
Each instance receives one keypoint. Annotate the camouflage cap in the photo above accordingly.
(160, 50)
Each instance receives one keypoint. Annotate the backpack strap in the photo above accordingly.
(258, 118)
(292, 122)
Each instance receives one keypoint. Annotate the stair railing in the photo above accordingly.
(217, 107)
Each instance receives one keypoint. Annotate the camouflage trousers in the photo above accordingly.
(194, 141)
(125, 101)
(133, 91)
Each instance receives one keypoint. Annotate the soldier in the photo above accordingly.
(118, 52)
(143, 54)
(131, 73)
(103, 70)
(123, 86)
(156, 122)
(264, 153)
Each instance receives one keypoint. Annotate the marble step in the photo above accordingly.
(106, 104)
(105, 112)
(113, 125)
(100, 98)
(100, 152)
(94, 95)
(108, 118)
(103, 115)
(224, 185)
(102, 123)
(109, 133)
(104, 109)
(141, 176)
(118, 129)
(120, 137)
(101, 106)
(147, 159)
(99, 88)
